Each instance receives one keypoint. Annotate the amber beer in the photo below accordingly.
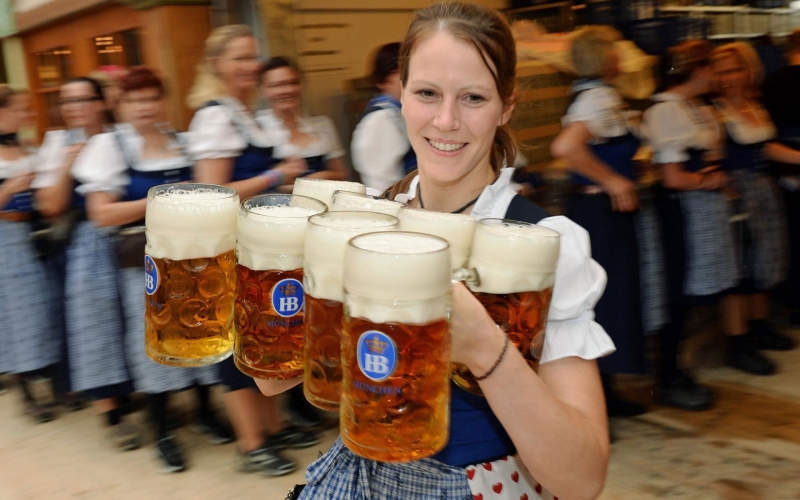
(269, 294)
(326, 239)
(323, 189)
(396, 346)
(516, 264)
(190, 273)
(349, 201)
(457, 229)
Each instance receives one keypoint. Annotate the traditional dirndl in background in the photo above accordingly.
(94, 320)
(767, 258)
(614, 246)
(342, 475)
(29, 338)
(711, 265)
(652, 269)
(149, 376)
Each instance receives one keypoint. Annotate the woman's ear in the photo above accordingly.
(508, 109)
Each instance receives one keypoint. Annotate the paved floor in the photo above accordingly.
(747, 448)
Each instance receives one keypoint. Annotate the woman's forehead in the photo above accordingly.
(442, 55)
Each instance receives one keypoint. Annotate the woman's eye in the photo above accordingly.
(428, 94)
(474, 98)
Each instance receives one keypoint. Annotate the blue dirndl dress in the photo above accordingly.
(29, 337)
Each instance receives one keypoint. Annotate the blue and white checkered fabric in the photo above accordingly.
(341, 474)
(652, 269)
(28, 337)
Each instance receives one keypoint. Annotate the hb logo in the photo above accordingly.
(150, 275)
(377, 355)
(287, 297)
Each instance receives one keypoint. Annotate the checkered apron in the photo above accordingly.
(767, 260)
(28, 334)
(95, 331)
(652, 271)
(148, 376)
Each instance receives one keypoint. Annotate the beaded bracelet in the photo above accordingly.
(496, 363)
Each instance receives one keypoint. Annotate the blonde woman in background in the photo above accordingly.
(231, 149)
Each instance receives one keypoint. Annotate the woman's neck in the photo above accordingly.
(93, 129)
(288, 117)
(737, 101)
(451, 196)
(147, 130)
(239, 94)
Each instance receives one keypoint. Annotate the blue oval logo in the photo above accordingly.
(377, 355)
(150, 275)
(287, 297)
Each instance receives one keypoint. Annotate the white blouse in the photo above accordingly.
(579, 283)
(51, 155)
(743, 131)
(604, 113)
(326, 141)
(676, 124)
(11, 168)
(224, 131)
(380, 141)
(105, 150)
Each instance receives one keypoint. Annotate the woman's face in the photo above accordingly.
(730, 75)
(142, 108)
(452, 108)
(18, 113)
(281, 87)
(81, 107)
(238, 64)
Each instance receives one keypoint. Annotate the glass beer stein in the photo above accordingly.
(323, 189)
(457, 229)
(516, 265)
(396, 346)
(190, 273)
(347, 200)
(269, 292)
(326, 239)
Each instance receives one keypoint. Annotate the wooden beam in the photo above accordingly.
(52, 11)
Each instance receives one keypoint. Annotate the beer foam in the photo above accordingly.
(344, 200)
(272, 237)
(514, 256)
(185, 223)
(326, 238)
(457, 229)
(397, 277)
(323, 189)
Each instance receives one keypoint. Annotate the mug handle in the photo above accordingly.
(468, 275)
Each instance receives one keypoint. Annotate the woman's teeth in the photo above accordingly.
(441, 146)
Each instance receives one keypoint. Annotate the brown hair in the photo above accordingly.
(141, 77)
(681, 61)
(748, 57)
(207, 84)
(489, 33)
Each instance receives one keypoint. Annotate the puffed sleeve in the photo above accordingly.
(328, 130)
(49, 159)
(579, 284)
(667, 130)
(101, 166)
(599, 110)
(212, 134)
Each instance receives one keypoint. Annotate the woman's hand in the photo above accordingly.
(623, 193)
(476, 340)
(19, 183)
(713, 179)
(291, 168)
(70, 153)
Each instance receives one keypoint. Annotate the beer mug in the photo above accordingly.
(457, 229)
(190, 272)
(269, 291)
(323, 189)
(396, 346)
(347, 201)
(516, 265)
(326, 239)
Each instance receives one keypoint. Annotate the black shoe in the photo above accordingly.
(174, 422)
(216, 432)
(685, 393)
(745, 357)
(293, 437)
(38, 412)
(764, 337)
(170, 455)
(266, 461)
(71, 402)
(303, 413)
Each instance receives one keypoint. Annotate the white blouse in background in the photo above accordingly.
(224, 131)
(326, 141)
(579, 283)
(743, 131)
(674, 125)
(380, 142)
(11, 168)
(604, 113)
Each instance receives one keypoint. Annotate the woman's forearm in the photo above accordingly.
(54, 200)
(776, 151)
(566, 450)
(104, 211)
(273, 387)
